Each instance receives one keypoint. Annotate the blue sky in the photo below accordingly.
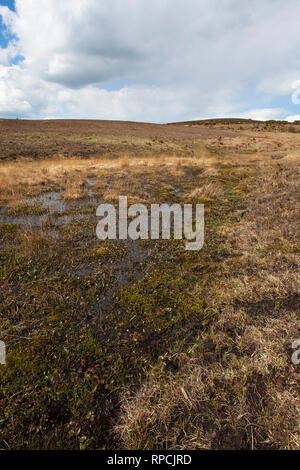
(150, 61)
(4, 33)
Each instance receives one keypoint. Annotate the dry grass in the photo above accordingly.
(210, 190)
(30, 178)
(226, 399)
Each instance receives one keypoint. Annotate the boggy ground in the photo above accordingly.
(143, 344)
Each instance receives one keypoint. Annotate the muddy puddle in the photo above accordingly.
(91, 180)
(53, 202)
(44, 220)
(131, 267)
(55, 205)
(176, 191)
(125, 272)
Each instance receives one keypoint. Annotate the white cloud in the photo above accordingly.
(296, 117)
(12, 98)
(177, 60)
(280, 84)
(8, 53)
(261, 114)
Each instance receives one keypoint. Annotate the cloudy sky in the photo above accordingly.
(150, 60)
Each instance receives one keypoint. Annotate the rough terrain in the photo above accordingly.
(144, 345)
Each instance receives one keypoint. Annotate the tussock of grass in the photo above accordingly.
(210, 190)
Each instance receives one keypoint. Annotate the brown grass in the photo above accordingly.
(210, 190)
(25, 178)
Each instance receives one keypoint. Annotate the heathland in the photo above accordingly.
(142, 344)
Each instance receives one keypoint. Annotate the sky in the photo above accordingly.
(152, 61)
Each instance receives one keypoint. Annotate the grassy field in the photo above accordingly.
(142, 344)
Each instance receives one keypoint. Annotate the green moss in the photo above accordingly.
(108, 250)
(8, 231)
